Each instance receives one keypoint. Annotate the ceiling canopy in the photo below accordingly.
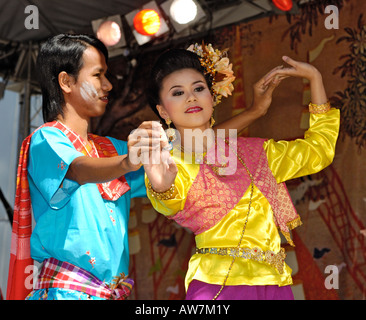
(19, 44)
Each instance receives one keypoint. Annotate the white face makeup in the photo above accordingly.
(88, 92)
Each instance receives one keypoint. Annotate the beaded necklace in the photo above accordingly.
(216, 170)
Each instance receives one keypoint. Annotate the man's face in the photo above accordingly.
(89, 93)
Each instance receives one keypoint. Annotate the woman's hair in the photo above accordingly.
(63, 52)
(167, 63)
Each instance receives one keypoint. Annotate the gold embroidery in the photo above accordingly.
(319, 108)
(275, 260)
(294, 223)
(166, 195)
(288, 238)
(291, 225)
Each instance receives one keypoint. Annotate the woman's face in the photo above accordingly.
(186, 100)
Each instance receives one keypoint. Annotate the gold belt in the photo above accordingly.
(275, 260)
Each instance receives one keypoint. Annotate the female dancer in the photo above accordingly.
(234, 214)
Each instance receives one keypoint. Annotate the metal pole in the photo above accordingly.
(28, 93)
(8, 208)
(24, 109)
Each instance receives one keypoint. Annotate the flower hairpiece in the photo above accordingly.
(218, 66)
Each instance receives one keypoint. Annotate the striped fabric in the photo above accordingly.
(64, 275)
(20, 257)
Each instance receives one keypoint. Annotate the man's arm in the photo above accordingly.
(98, 170)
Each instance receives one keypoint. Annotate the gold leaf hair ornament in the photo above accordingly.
(218, 66)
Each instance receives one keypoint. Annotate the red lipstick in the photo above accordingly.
(193, 109)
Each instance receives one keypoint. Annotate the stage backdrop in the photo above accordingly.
(329, 260)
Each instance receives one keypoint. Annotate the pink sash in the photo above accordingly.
(212, 197)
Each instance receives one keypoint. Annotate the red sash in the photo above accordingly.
(20, 257)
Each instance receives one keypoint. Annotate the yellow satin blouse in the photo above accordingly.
(287, 160)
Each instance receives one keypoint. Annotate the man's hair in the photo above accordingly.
(63, 52)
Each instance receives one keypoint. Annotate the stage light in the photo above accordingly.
(147, 22)
(284, 5)
(109, 30)
(109, 33)
(141, 34)
(183, 11)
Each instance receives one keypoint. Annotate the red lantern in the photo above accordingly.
(147, 22)
(284, 5)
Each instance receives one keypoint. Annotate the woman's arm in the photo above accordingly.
(292, 159)
(311, 154)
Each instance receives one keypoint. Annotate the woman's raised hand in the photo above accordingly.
(301, 70)
(295, 69)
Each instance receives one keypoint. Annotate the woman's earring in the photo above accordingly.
(170, 131)
(212, 121)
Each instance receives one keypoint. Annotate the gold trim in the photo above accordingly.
(319, 108)
(291, 225)
(294, 223)
(166, 195)
(288, 238)
(275, 260)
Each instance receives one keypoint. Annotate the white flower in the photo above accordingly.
(218, 65)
